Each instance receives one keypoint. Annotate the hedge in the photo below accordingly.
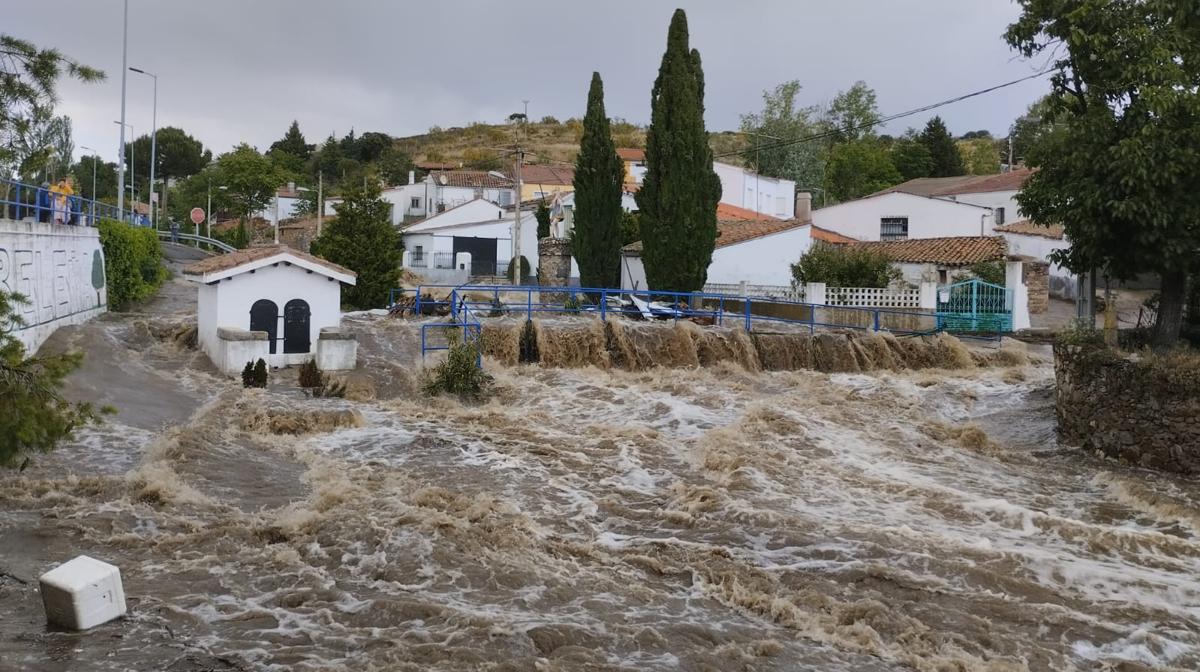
(132, 263)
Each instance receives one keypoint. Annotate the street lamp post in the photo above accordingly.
(94, 154)
(121, 197)
(153, 143)
(121, 158)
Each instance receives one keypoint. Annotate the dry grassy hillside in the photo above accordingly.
(489, 146)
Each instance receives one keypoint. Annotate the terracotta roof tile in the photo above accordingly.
(733, 213)
(224, 262)
(732, 232)
(1028, 228)
(534, 173)
(471, 178)
(957, 251)
(962, 184)
(630, 154)
(832, 237)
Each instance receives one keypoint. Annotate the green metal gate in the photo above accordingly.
(975, 306)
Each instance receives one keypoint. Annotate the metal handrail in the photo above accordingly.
(19, 200)
(682, 305)
(224, 247)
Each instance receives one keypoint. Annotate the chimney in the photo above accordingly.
(412, 177)
(803, 206)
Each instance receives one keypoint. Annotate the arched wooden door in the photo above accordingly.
(295, 326)
(264, 316)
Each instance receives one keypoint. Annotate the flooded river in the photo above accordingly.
(714, 518)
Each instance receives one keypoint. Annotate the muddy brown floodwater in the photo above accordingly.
(712, 518)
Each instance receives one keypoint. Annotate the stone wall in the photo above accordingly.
(554, 262)
(60, 272)
(1143, 410)
(1036, 275)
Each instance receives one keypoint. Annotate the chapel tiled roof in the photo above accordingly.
(732, 232)
(1028, 228)
(471, 178)
(224, 262)
(631, 154)
(955, 251)
(832, 237)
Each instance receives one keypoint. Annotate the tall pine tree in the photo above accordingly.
(678, 199)
(362, 239)
(599, 173)
(943, 152)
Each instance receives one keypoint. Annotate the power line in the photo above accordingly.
(884, 120)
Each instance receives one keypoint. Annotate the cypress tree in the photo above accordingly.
(946, 161)
(599, 173)
(677, 202)
(542, 215)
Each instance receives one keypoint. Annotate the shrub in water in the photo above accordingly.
(259, 377)
(310, 375)
(459, 374)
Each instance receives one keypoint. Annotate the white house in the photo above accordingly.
(897, 215)
(271, 302)
(998, 192)
(765, 195)
(285, 203)
(1027, 239)
(740, 187)
(451, 188)
(940, 260)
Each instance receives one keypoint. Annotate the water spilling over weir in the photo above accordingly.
(734, 508)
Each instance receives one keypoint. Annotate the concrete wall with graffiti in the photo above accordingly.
(60, 272)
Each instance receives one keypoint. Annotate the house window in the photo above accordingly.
(893, 228)
(418, 257)
(942, 276)
(999, 216)
(415, 204)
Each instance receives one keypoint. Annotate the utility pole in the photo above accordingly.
(124, 75)
(153, 147)
(95, 154)
(517, 279)
(320, 201)
(1010, 153)
(208, 213)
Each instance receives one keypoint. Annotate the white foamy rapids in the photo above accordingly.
(664, 519)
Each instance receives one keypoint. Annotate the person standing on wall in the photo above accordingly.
(43, 203)
(61, 192)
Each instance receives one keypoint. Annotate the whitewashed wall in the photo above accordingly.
(1062, 281)
(231, 299)
(761, 261)
(768, 195)
(633, 273)
(994, 199)
(59, 270)
(927, 217)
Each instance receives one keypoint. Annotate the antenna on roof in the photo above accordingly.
(442, 179)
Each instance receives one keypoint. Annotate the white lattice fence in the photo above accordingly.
(873, 297)
(772, 291)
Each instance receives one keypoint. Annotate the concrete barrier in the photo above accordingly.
(235, 347)
(336, 350)
(60, 272)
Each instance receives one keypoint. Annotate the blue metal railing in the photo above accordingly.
(746, 311)
(175, 237)
(461, 318)
(41, 203)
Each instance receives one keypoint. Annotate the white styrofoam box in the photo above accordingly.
(82, 593)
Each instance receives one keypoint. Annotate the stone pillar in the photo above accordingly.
(554, 267)
(1036, 276)
(929, 296)
(814, 293)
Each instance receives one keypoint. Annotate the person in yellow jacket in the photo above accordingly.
(60, 194)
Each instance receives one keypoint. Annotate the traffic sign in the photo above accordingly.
(197, 216)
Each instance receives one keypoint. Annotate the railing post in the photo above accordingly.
(603, 305)
(721, 311)
(528, 303)
(746, 300)
(876, 328)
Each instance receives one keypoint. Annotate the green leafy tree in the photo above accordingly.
(631, 227)
(106, 178)
(801, 162)
(853, 113)
(34, 415)
(293, 143)
(250, 180)
(327, 160)
(979, 156)
(943, 151)
(1120, 166)
(362, 239)
(133, 263)
(28, 92)
(599, 173)
(845, 266)
(858, 168)
(1028, 129)
(679, 194)
(370, 147)
(911, 157)
(177, 155)
(394, 165)
(542, 215)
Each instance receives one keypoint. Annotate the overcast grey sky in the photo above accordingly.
(241, 70)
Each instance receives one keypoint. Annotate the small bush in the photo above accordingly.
(572, 304)
(310, 375)
(512, 267)
(459, 373)
(133, 264)
(255, 375)
(845, 266)
(989, 271)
